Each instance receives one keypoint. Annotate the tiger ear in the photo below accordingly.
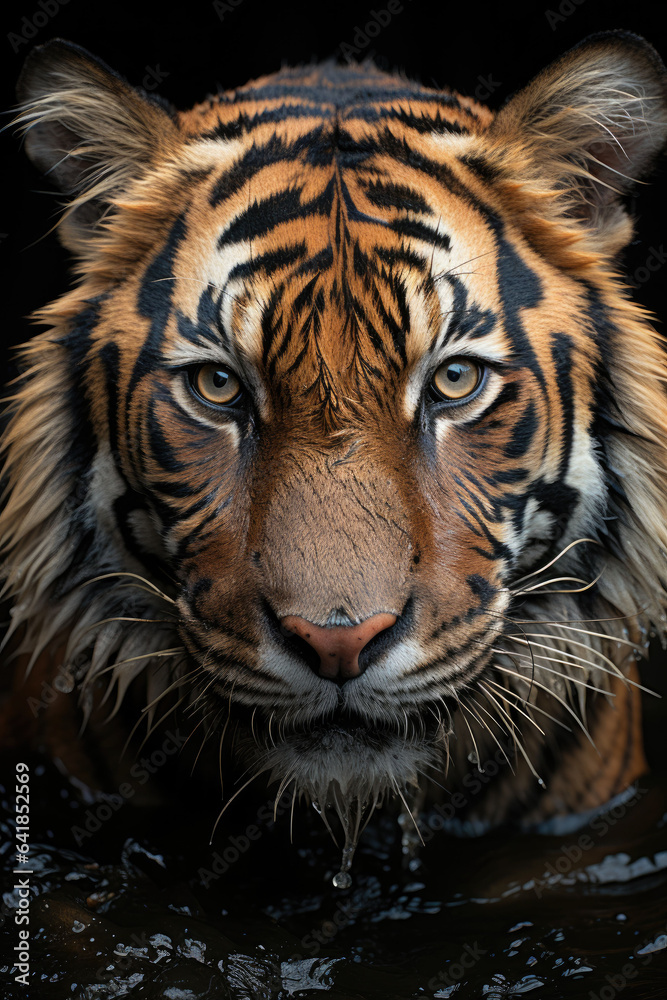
(88, 130)
(584, 130)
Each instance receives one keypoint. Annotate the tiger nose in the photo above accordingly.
(338, 646)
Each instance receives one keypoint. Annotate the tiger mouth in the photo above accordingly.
(346, 726)
(343, 749)
(347, 761)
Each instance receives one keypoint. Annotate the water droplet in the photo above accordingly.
(343, 879)
(472, 757)
(64, 681)
(541, 783)
(78, 926)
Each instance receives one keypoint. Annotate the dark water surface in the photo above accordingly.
(145, 908)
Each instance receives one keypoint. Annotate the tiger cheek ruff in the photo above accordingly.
(349, 432)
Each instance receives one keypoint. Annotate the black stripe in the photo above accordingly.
(523, 432)
(508, 394)
(154, 302)
(160, 446)
(419, 231)
(563, 346)
(402, 256)
(263, 216)
(520, 288)
(78, 341)
(270, 262)
(386, 194)
(274, 150)
(109, 356)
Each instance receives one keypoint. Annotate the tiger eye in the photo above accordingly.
(216, 384)
(457, 379)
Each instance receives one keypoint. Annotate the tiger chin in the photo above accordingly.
(350, 436)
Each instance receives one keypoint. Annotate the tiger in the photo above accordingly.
(350, 431)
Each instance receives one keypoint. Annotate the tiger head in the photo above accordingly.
(350, 418)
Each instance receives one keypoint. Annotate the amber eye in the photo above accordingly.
(457, 379)
(216, 384)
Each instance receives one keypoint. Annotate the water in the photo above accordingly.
(143, 907)
(343, 879)
(139, 905)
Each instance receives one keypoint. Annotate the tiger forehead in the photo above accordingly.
(331, 93)
(325, 241)
(329, 234)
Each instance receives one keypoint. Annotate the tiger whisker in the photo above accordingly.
(517, 742)
(151, 727)
(136, 576)
(549, 691)
(611, 667)
(533, 707)
(178, 682)
(474, 743)
(546, 583)
(201, 694)
(148, 711)
(291, 816)
(443, 274)
(226, 806)
(573, 621)
(582, 631)
(485, 724)
(548, 565)
(202, 743)
(174, 651)
(570, 678)
(289, 777)
(531, 720)
(91, 678)
(498, 722)
(427, 777)
(192, 733)
(572, 590)
(126, 618)
(575, 680)
(407, 808)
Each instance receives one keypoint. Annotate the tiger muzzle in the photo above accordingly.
(335, 564)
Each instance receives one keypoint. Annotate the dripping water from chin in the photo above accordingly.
(349, 814)
(353, 816)
(342, 879)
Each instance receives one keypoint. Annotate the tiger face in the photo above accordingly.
(351, 398)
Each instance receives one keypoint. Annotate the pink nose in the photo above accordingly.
(338, 646)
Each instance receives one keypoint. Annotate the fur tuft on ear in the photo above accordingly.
(88, 130)
(572, 142)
